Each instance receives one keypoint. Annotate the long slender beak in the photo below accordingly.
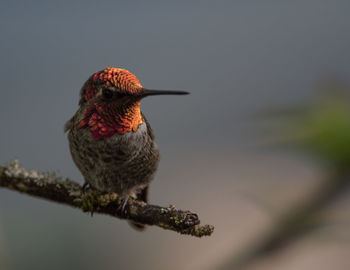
(151, 92)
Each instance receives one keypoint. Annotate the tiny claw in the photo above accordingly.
(86, 186)
(122, 206)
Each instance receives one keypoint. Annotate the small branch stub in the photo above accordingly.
(51, 187)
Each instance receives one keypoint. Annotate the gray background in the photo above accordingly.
(235, 57)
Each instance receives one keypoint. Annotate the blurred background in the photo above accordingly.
(241, 60)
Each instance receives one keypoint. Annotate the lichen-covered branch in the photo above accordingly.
(51, 187)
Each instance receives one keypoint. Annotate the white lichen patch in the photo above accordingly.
(74, 192)
(15, 170)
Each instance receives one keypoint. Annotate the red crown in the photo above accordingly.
(120, 78)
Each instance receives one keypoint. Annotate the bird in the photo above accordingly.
(110, 140)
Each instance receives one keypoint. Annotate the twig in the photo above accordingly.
(51, 187)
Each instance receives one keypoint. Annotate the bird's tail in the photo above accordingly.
(141, 196)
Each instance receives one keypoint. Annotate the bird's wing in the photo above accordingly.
(69, 124)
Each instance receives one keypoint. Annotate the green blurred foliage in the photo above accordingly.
(323, 128)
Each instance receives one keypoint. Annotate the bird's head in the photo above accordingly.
(116, 84)
(111, 100)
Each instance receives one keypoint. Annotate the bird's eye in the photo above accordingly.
(107, 93)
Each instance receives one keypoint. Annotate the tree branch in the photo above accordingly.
(51, 187)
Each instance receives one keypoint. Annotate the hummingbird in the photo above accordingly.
(110, 139)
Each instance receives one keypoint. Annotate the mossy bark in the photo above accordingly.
(51, 187)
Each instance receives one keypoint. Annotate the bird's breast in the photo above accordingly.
(118, 163)
(119, 145)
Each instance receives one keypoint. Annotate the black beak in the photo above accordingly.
(149, 92)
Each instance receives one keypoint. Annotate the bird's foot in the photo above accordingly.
(122, 206)
(85, 188)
